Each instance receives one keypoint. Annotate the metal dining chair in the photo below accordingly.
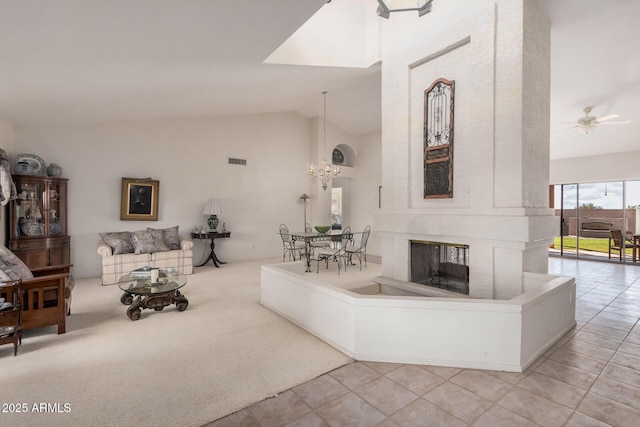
(346, 231)
(290, 246)
(361, 250)
(314, 244)
(335, 252)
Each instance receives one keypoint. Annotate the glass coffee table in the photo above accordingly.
(140, 293)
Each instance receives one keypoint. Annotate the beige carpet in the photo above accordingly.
(187, 368)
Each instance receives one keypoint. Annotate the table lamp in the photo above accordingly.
(213, 209)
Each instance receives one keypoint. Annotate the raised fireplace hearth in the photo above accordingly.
(440, 265)
(407, 325)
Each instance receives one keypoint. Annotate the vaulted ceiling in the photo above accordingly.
(594, 62)
(71, 61)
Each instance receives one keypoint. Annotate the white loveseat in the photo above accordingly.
(121, 252)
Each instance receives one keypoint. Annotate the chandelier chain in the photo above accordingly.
(325, 172)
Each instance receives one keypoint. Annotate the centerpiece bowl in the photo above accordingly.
(322, 228)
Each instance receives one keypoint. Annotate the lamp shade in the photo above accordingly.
(213, 207)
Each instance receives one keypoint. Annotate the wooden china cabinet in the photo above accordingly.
(38, 221)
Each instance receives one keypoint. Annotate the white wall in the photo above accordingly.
(6, 135)
(360, 182)
(6, 143)
(364, 187)
(189, 158)
(610, 167)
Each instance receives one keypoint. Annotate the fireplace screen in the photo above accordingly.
(442, 265)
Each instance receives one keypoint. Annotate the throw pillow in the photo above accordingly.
(170, 237)
(120, 242)
(12, 267)
(142, 242)
(158, 240)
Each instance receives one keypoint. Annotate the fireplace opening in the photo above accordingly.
(441, 265)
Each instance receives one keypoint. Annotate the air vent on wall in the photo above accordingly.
(242, 162)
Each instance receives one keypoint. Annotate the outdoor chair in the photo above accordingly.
(615, 243)
(361, 250)
(290, 246)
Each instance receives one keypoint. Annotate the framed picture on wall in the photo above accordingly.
(139, 199)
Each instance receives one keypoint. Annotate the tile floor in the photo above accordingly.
(590, 377)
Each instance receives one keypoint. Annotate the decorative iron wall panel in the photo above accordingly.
(438, 139)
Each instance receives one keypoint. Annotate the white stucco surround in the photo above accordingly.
(498, 54)
(504, 335)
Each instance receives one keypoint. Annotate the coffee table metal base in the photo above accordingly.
(157, 302)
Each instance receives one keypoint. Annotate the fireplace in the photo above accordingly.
(441, 265)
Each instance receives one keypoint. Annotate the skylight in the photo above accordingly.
(340, 34)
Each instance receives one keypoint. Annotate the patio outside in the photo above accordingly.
(588, 212)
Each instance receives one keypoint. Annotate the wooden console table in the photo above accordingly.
(212, 235)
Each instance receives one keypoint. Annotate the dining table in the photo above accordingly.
(335, 236)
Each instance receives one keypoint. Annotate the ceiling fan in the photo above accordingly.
(588, 124)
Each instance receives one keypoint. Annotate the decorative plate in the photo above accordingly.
(33, 228)
(55, 228)
(38, 166)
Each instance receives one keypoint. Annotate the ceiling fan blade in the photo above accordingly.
(617, 122)
(605, 118)
(562, 130)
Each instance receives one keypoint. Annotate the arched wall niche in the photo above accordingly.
(343, 155)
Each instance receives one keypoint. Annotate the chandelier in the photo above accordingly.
(325, 172)
(387, 6)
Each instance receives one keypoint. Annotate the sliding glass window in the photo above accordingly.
(592, 216)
